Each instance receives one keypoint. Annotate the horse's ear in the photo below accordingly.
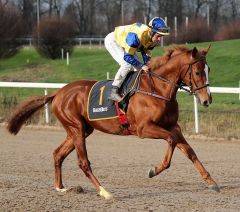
(205, 51)
(194, 52)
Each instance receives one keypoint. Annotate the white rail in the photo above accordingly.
(81, 41)
(31, 85)
(60, 85)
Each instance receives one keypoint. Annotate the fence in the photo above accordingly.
(79, 41)
(46, 86)
(99, 41)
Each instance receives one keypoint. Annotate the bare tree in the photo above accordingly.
(148, 6)
(91, 17)
(80, 11)
(234, 7)
(215, 11)
(3, 3)
(111, 12)
(28, 14)
(95, 17)
(10, 30)
(139, 13)
(104, 6)
(199, 4)
(171, 9)
(50, 8)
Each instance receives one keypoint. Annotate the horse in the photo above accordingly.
(152, 112)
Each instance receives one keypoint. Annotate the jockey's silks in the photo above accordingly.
(134, 37)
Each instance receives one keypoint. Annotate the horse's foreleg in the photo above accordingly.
(154, 131)
(189, 152)
(165, 162)
(59, 155)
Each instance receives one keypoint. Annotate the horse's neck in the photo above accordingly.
(171, 74)
(167, 88)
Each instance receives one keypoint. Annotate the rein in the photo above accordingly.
(174, 84)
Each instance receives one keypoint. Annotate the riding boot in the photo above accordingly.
(114, 94)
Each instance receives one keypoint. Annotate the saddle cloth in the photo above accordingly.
(100, 107)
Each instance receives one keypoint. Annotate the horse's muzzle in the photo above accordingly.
(206, 103)
(205, 100)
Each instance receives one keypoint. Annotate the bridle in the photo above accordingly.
(192, 91)
(181, 85)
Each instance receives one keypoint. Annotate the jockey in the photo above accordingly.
(126, 41)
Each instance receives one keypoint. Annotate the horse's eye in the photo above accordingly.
(197, 73)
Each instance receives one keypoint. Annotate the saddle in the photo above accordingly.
(100, 107)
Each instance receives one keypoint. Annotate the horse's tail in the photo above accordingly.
(25, 110)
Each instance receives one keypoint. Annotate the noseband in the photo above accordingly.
(192, 91)
(181, 85)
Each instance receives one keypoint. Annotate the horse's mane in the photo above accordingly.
(156, 62)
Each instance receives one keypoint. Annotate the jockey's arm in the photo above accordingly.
(131, 59)
(146, 56)
(132, 42)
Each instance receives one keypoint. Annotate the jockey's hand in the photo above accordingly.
(145, 68)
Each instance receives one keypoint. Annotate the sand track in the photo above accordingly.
(121, 165)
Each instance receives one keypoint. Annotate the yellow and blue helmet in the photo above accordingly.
(159, 26)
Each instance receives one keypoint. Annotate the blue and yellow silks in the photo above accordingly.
(135, 38)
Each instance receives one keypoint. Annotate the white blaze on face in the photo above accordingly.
(206, 69)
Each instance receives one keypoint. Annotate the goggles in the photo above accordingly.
(161, 31)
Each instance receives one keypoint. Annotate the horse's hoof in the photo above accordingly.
(103, 193)
(214, 187)
(61, 189)
(76, 190)
(151, 173)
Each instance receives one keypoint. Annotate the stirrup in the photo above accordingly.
(115, 97)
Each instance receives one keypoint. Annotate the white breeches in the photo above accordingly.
(118, 53)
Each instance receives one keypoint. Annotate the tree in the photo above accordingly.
(52, 35)
(111, 14)
(99, 17)
(10, 30)
(3, 3)
(171, 9)
(28, 15)
(234, 7)
(76, 11)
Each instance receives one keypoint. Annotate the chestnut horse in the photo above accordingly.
(152, 112)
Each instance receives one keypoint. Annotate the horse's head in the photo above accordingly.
(196, 76)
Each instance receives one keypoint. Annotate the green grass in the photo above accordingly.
(94, 63)
(85, 63)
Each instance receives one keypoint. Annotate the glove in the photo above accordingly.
(145, 68)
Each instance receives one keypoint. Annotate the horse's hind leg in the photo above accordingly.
(59, 155)
(78, 133)
(189, 152)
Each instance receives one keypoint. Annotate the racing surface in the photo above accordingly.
(121, 165)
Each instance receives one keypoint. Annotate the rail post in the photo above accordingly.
(67, 58)
(46, 108)
(175, 27)
(196, 114)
